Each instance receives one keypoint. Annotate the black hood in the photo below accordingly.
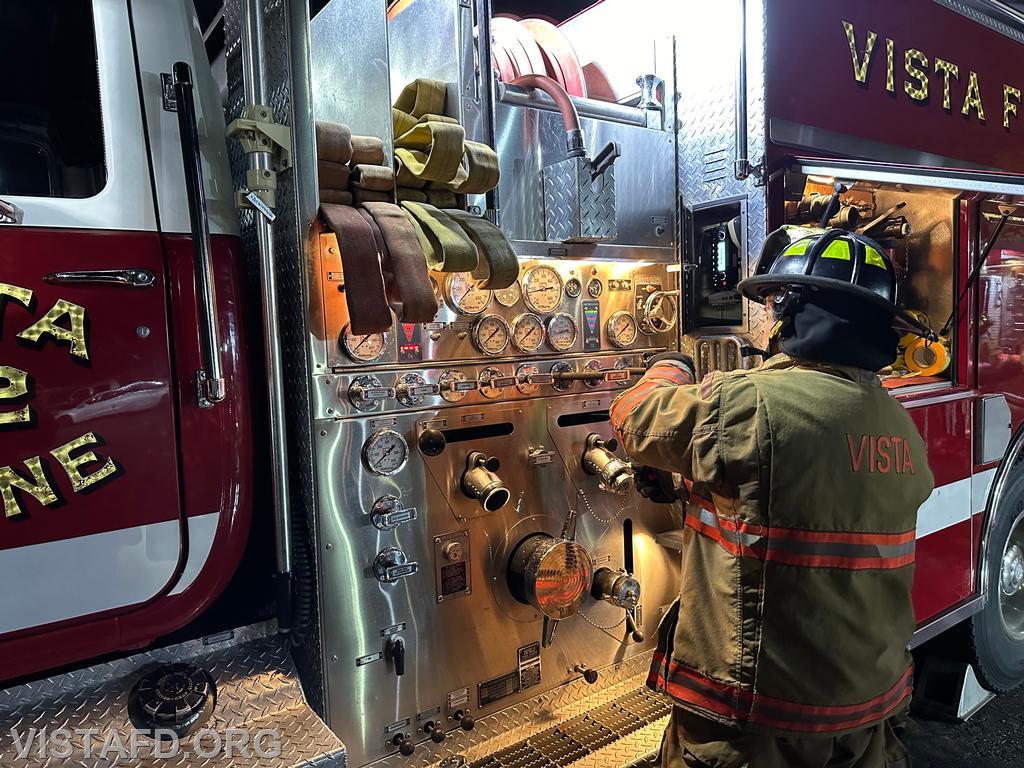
(841, 331)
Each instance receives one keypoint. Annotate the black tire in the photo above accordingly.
(998, 654)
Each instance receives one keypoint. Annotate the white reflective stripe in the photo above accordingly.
(201, 532)
(708, 517)
(948, 505)
(70, 578)
(981, 484)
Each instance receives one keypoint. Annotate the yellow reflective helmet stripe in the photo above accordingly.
(874, 258)
(799, 248)
(837, 249)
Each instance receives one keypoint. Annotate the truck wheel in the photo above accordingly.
(997, 631)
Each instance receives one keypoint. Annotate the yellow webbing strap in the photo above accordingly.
(401, 121)
(422, 96)
(405, 178)
(445, 244)
(432, 151)
(499, 266)
(481, 164)
(432, 118)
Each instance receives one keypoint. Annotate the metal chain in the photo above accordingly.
(590, 509)
(599, 626)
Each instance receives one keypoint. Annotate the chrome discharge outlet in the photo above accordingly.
(616, 476)
(480, 482)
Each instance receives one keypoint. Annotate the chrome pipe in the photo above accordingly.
(254, 79)
(742, 168)
(600, 110)
(488, 92)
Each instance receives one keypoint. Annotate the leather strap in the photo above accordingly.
(499, 265)
(333, 142)
(360, 196)
(336, 196)
(375, 177)
(406, 267)
(421, 97)
(367, 150)
(416, 195)
(444, 243)
(364, 285)
(432, 151)
(331, 175)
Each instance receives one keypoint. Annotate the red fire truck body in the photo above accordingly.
(131, 495)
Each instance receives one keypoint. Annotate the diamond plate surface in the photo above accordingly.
(301, 346)
(575, 209)
(706, 116)
(563, 707)
(257, 688)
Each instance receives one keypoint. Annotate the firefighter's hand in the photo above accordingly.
(677, 359)
(655, 485)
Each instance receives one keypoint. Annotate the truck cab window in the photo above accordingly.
(51, 134)
(917, 228)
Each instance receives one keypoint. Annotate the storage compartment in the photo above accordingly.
(716, 248)
(917, 227)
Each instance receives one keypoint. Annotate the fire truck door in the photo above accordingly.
(89, 476)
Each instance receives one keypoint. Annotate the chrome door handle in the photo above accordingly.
(10, 213)
(132, 278)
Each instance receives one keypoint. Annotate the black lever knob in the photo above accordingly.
(589, 675)
(464, 719)
(405, 745)
(396, 652)
(434, 731)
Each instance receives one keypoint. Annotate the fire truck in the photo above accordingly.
(231, 503)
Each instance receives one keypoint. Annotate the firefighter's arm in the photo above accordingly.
(660, 419)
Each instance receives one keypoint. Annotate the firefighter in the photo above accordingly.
(787, 646)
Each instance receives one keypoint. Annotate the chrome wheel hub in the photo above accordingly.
(1011, 577)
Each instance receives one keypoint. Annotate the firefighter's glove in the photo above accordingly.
(677, 359)
(655, 485)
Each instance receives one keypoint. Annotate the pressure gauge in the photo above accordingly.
(363, 349)
(491, 334)
(508, 297)
(542, 288)
(562, 332)
(594, 287)
(527, 332)
(621, 329)
(464, 294)
(385, 452)
(573, 287)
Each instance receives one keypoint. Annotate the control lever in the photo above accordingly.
(607, 374)
(405, 744)
(620, 587)
(434, 730)
(589, 675)
(395, 650)
(464, 719)
(616, 475)
(604, 159)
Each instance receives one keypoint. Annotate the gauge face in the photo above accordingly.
(464, 294)
(491, 334)
(527, 332)
(561, 332)
(594, 288)
(523, 375)
(385, 452)
(507, 297)
(592, 365)
(485, 382)
(573, 287)
(542, 288)
(363, 349)
(563, 367)
(622, 329)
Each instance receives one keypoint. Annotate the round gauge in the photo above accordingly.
(490, 334)
(561, 332)
(508, 297)
(542, 288)
(454, 385)
(527, 332)
(485, 382)
(363, 349)
(464, 294)
(621, 329)
(523, 376)
(594, 288)
(620, 364)
(385, 452)
(573, 287)
(592, 365)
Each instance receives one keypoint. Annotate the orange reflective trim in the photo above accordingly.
(845, 562)
(844, 537)
(619, 409)
(691, 687)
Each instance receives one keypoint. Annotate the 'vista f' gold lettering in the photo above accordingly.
(860, 66)
(16, 386)
(80, 482)
(39, 487)
(1010, 107)
(48, 325)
